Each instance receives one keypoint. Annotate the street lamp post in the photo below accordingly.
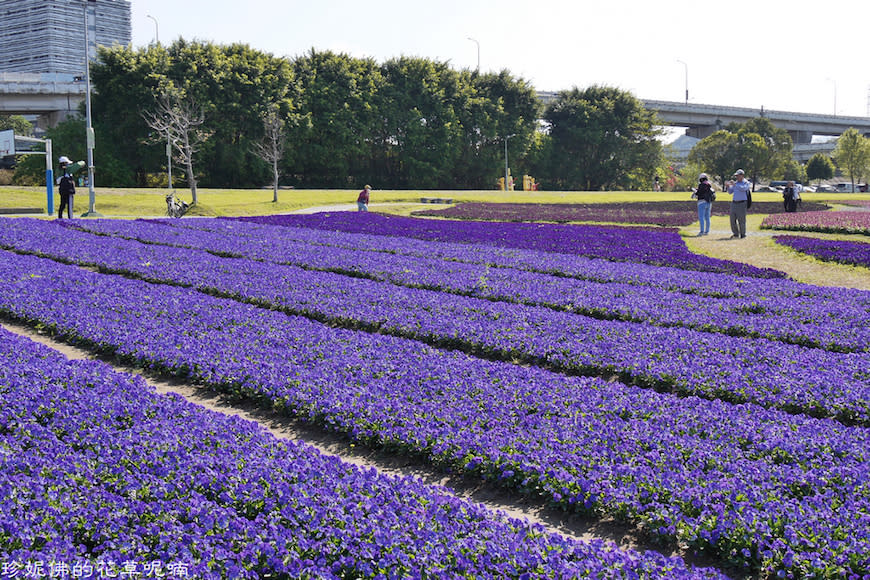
(89, 134)
(507, 170)
(686, 69)
(156, 30)
(478, 51)
(169, 158)
(835, 94)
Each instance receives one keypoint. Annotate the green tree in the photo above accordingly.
(421, 126)
(753, 155)
(233, 85)
(820, 167)
(17, 123)
(492, 106)
(852, 154)
(794, 171)
(718, 154)
(598, 137)
(338, 138)
(770, 160)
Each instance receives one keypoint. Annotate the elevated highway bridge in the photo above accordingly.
(703, 120)
(51, 97)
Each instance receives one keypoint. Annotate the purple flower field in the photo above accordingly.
(739, 369)
(607, 290)
(103, 478)
(767, 486)
(624, 244)
(844, 252)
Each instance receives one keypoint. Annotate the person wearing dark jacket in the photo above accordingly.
(67, 188)
(790, 197)
(705, 196)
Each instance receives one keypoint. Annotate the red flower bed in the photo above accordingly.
(851, 222)
(657, 213)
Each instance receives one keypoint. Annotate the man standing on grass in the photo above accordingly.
(740, 191)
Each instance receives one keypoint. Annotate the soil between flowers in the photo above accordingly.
(286, 427)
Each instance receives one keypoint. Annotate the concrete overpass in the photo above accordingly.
(702, 120)
(51, 97)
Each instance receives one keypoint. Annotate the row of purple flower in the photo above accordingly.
(752, 486)
(835, 319)
(265, 242)
(650, 246)
(842, 251)
(770, 373)
(99, 471)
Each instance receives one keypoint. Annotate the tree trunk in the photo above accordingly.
(275, 181)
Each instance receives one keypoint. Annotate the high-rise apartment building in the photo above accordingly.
(48, 36)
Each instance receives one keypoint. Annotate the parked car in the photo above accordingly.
(826, 189)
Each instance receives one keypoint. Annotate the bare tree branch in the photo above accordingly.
(182, 119)
(271, 148)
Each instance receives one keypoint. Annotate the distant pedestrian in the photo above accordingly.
(362, 202)
(67, 188)
(790, 197)
(740, 190)
(705, 195)
(656, 185)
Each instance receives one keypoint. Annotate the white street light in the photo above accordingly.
(686, 67)
(835, 93)
(156, 29)
(478, 51)
(507, 170)
(89, 134)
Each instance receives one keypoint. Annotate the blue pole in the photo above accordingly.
(49, 190)
(49, 178)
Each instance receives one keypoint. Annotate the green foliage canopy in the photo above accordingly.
(820, 167)
(598, 137)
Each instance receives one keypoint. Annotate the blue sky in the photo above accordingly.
(775, 54)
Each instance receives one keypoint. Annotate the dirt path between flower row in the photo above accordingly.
(472, 489)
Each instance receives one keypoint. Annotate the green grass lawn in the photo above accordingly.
(144, 202)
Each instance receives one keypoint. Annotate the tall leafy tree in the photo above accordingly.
(769, 160)
(494, 106)
(233, 85)
(421, 127)
(599, 136)
(17, 123)
(820, 167)
(125, 81)
(752, 155)
(336, 137)
(718, 154)
(852, 154)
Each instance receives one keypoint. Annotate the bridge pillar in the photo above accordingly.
(702, 131)
(801, 137)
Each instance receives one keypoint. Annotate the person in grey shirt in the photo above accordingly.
(740, 191)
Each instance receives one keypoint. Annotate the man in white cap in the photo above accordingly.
(740, 191)
(67, 188)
